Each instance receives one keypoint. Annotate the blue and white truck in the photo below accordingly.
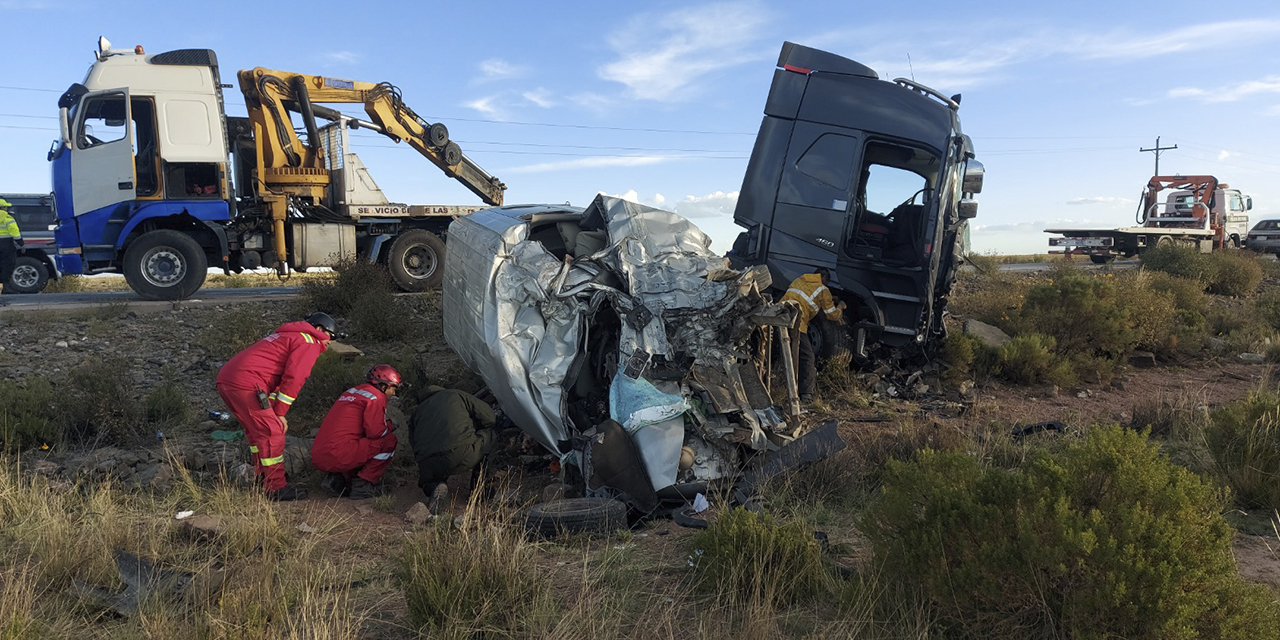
(152, 178)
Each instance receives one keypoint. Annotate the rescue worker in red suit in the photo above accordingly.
(355, 443)
(261, 382)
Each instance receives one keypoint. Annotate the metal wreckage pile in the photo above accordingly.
(614, 337)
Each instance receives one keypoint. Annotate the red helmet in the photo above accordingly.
(384, 374)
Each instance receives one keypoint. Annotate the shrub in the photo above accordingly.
(478, 580)
(1268, 307)
(234, 330)
(985, 264)
(28, 414)
(65, 284)
(167, 404)
(968, 357)
(750, 558)
(1107, 539)
(364, 293)
(99, 404)
(1244, 438)
(1084, 315)
(1029, 359)
(1184, 262)
(1234, 274)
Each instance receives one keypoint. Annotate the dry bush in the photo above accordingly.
(757, 559)
(1244, 437)
(65, 284)
(98, 405)
(236, 329)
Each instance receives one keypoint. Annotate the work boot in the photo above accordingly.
(336, 484)
(437, 498)
(287, 493)
(362, 489)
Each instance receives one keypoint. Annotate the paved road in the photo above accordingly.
(131, 300)
(1028, 267)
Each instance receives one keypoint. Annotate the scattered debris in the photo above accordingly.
(1253, 358)
(418, 514)
(306, 528)
(145, 581)
(1026, 430)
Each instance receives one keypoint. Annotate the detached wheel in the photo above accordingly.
(576, 515)
(416, 260)
(1101, 259)
(165, 265)
(30, 275)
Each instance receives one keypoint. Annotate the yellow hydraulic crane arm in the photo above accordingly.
(270, 94)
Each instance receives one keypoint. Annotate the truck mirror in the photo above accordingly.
(64, 126)
(968, 209)
(973, 175)
(1248, 203)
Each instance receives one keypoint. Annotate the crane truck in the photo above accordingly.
(1200, 211)
(152, 179)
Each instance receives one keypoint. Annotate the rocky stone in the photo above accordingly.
(1142, 359)
(154, 476)
(990, 336)
(204, 527)
(418, 514)
(1216, 344)
(62, 344)
(207, 425)
(364, 508)
(1252, 358)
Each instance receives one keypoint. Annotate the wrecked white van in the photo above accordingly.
(616, 338)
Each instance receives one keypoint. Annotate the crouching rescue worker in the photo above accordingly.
(810, 292)
(355, 443)
(260, 383)
(451, 432)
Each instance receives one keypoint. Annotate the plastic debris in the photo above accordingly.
(226, 436)
(700, 503)
(183, 515)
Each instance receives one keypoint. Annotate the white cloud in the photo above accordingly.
(661, 58)
(1111, 200)
(590, 163)
(343, 57)
(715, 204)
(484, 105)
(497, 68)
(1200, 37)
(1229, 92)
(540, 97)
(1223, 155)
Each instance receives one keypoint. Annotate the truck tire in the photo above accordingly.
(576, 515)
(416, 260)
(1101, 259)
(30, 275)
(831, 342)
(165, 265)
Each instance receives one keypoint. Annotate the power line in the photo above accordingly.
(30, 89)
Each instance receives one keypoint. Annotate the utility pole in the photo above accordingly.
(1157, 149)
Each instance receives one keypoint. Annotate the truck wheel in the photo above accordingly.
(30, 275)
(165, 265)
(1101, 259)
(831, 342)
(416, 260)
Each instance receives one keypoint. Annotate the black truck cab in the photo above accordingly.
(868, 178)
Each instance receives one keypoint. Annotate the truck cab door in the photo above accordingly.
(102, 166)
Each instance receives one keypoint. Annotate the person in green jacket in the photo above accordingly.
(10, 244)
(451, 431)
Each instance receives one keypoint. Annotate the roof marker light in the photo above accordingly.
(137, 49)
(794, 69)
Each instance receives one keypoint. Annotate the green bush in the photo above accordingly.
(167, 404)
(28, 414)
(363, 293)
(1084, 315)
(1244, 438)
(1234, 274)
(1105, 540)
(1184, 262)
(750, 558)
(233, 331)
(1029, 359)
(99, 404)
(968, 357)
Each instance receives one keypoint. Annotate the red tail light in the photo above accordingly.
(795, 69)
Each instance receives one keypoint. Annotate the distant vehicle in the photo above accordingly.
(1200, 212)
(868, 178)
(1264, 237)
(36, 218)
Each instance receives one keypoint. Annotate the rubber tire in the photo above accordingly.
(404, 247)
(1101, 259)
(831, 341)
(189, 252)
(576, 515)
(28, 267)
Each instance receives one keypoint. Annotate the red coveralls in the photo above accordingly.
(355, 437)
(278, 364)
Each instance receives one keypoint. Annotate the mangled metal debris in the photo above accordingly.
(617, 339)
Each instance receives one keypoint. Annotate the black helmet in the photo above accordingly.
(323, 322)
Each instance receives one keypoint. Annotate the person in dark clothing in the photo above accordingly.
(451, 431)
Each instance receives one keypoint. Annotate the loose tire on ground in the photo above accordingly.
(576, 515)
(165, 265)
(416, 260)
(30, 275)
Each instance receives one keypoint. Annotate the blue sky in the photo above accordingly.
(661, 101)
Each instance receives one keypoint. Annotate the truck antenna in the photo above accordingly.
(1157, 149)
(912, 69)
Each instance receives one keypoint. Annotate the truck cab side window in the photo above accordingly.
(894, 192)
(104, 121)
